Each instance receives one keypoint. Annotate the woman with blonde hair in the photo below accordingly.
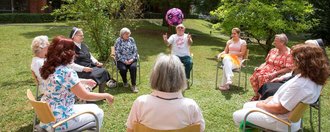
(232, 56)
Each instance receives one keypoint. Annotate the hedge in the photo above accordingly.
(25, 18)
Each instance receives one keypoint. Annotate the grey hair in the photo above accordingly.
(39, 43)
(168, 74)
(124, 30)
(313, 42)
(283, 38)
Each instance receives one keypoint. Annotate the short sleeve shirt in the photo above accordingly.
(58, 94)
(179, 44)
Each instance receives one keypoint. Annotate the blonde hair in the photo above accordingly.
(237, 30)
(168, 74)
(39, 43)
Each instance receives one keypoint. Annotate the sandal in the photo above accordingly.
(254, 98)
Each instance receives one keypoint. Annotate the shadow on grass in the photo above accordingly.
(15, 84)
(27, 128)
(233, 90)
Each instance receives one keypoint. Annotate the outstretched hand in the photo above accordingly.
(165, 36)
(189, 38)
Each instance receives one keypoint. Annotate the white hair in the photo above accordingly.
(168, 74)
(283, 38)
(313, 42)
(39, 43)
(124, 30)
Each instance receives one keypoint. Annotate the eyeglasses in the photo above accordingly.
(80, 35)
(180, 28)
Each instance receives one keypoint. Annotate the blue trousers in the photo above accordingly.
(188, 64)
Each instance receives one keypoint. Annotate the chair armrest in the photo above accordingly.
(266, 113)
(75, 115)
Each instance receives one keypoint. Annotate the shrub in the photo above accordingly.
(25, 18)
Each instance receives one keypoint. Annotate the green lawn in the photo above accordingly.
(16, 114)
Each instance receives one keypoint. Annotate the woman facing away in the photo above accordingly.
(62, 85)
(312, 71)
(232, 56)
(166, 108)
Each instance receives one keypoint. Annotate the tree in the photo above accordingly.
(262, 19)
(321, 28)
(100, 19)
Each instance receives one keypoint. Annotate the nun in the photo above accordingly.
(86, 65)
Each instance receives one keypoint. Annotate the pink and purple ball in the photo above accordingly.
(174, 16)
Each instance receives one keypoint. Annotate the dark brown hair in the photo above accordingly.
(311, 62)
(60, 52)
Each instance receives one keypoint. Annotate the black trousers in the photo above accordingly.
(269, 89)
(123, 68)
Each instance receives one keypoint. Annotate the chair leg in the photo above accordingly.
(216, 77)
(239, 78)
(310, 117)
(319, 114)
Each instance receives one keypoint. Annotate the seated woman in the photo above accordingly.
(270, 88)
(278, 62)
(39, 48)
(312, 69)
(86, 65)
(126, 57)
(62, 85)
(232, 56)
(166, 108)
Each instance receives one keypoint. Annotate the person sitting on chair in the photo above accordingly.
(86, 65)
(312, 71)
(39, 48)
(126, 57)
(180, 46)
(232, 56)
(270, 88)
(62, 85)
(278, 62)
(166, 108)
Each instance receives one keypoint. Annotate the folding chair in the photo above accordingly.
(295, 116)
(113, 64)
(37, 95)
(317, 106)
(45, 115)
(138, 127)
(243, 65)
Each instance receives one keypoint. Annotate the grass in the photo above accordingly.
(16, 114)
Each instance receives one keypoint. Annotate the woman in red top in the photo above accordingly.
(278, 62)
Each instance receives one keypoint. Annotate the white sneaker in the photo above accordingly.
(111, 84)
(134, 89)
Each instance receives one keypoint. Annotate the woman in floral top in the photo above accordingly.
(62, 85)
(278, 62)
(126, 56)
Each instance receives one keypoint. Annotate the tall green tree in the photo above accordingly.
(100, 19)
(321, 29)
(262, 19)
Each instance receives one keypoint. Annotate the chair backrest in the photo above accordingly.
(246, 55)
(42, 109)
(298, 112)
(138, 127)
(35, 78)
(113, 52)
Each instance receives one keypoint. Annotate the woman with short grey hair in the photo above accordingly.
(166, 108)
(126, 57)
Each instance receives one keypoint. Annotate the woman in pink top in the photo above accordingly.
(232, 56)
(278, 62)
(166, 108)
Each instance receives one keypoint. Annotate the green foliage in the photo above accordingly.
(25, 18)
(262, 19)
(96, 17)
(321, 29)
